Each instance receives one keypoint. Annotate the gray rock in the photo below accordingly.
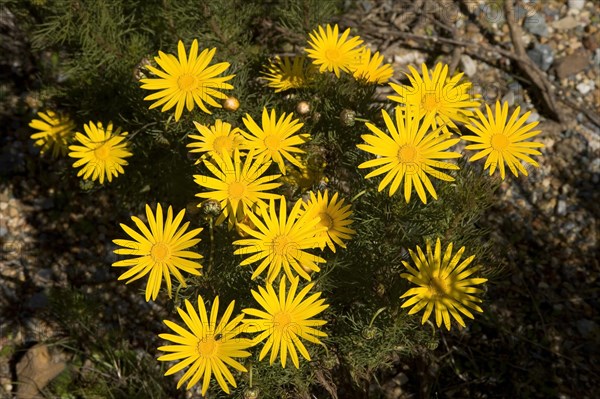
(595, 166)
(571, 64)
(542, 55)
(561, 207)
(566, 23)
(585, 87)
(412, 57)
(468, 66)
(39, 300)
(596, 59)
(586, 327)
(536, 24)
(514, 95)
(576, 4)
(533, 117)
(45, 274)
(522, 12)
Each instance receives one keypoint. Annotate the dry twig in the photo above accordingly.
(529, 68)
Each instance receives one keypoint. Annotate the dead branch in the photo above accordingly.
(541, 85)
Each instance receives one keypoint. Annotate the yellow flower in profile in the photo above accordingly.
(410, 152)
(288, 73)
(275, 139)
(187, 80)
(215, 140)
(55, 132)
(207, 347)
(237, 186)
(332, 52)
(101, 152)
(436, 93)
(311, 172)
(371, 69)
(333, 215)
(443, 285)
(280, 241)
(161, 250)
(284, 320)
(503, 141)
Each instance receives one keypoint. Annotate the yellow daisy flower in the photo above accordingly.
(274, 139)
(371, 69)
(410, 152)
(332, 52)
(187, 80)
(102, 153)
(237, 186)
(280, 241)
(55, 132)
(333, 215)
(288, 73)
(215, 140)
(206, 346)
(284, 319)
(443, 285)
(437, 93)
(161, 250)
(503, 141)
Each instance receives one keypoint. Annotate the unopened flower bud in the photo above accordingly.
(347, 116)
(432, 345)
(369, 332)
(251, 393)
(139, 72)
(231, 104)
(211, 207)
(316, 116)
(330, 361)
(303, 108)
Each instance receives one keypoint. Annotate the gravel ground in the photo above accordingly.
(540, 331)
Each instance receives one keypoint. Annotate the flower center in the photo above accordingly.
(282, 320)
(272, 142)
(499, 142)
(407, 154)
(187, 82)
(332, 54)
(281, 245)
(236, 190)
(207, 347)
(438, 287)
(429, 102)
(159, 252)
(102, 152)
(223, 144)
(326, 220)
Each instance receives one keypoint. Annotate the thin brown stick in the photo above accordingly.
(529, 68)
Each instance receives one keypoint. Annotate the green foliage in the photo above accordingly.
(299, 18)
(104, 363)
(98, 49)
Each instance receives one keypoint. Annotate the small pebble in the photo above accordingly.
(586, 87)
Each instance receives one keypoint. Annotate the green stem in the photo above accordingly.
(250, 375)
(375, 316)
(211, 231)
